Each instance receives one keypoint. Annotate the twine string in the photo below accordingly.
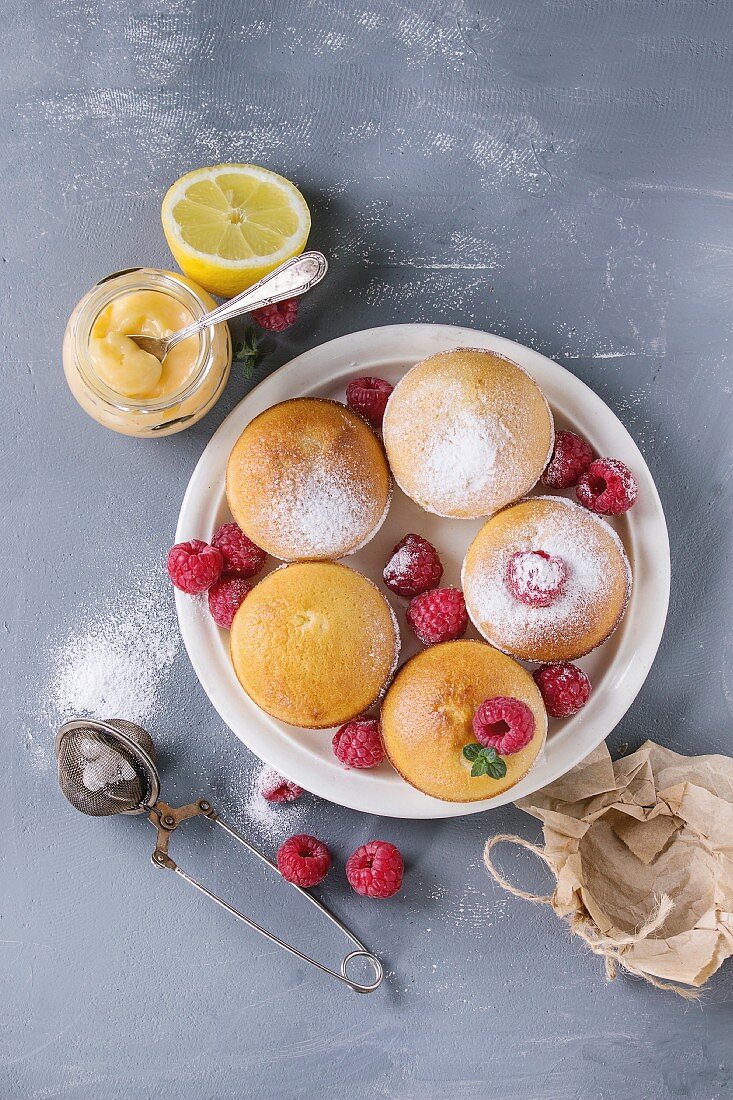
(509, 838)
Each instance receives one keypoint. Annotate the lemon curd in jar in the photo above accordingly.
(127, 389)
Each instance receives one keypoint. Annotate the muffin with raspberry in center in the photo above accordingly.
(428, 713)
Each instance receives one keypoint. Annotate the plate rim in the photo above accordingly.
(189, 615)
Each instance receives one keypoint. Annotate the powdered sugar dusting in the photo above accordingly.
(401, 561)
(537, 571)
(535, 577)
(460, 457)
(372, 531)
(581, 541)
(321, 512)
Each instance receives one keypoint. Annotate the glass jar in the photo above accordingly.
(147, 416)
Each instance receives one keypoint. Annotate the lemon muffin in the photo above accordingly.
(427, 718)
(314, 644)
(308, 479)
(546, 580)
(467, 432)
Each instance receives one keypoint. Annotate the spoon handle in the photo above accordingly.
(289, 280)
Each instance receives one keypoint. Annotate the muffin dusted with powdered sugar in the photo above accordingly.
(546, 580)
(308, 480)
(467, 432)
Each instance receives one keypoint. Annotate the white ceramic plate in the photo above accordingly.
(617, 670)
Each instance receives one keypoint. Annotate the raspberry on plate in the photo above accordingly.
(571, 457)
(276, 788)
(277, 317)
(369, 396)
(414, 567)
(375, 870)
(358, 744)
(505, 724)
(438, 616)
(607, 487)
(535, 577)
(564, 687)
(225, 598)
(194, 566)
(240, 554)
(303, 860)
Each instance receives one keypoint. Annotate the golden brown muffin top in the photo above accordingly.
(428, 711)
(308, 479)
(314, 644)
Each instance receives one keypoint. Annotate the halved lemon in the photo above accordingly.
(229, 225)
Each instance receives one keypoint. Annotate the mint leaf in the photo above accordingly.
(248, 352)
(496, 768)
(485, 761)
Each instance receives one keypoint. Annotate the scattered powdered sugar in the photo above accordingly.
(581, 541)
(321, 512)
(372, 531)
(114, 665)
(273, 822)
(268, 779)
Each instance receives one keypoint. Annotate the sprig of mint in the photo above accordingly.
(485, 761)
(247, 352)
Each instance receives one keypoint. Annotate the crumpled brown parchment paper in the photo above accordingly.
(642, 850)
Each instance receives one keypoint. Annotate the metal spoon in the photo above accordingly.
(293, 278)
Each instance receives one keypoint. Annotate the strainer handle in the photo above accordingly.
(167, 819)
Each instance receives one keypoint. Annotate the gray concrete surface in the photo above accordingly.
(554, 170)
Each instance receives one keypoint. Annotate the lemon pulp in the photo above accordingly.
(229, 225)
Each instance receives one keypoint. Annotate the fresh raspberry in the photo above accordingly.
(303, 860)
(240, 554)
(565, 688)
(535, 577)
(438, 615)
(607, 487)
(226, 596)
(276, 788)
(504, 724)
(571, 458)
(369, 396)
(194, 566)
(414, 567)
(376, 869)
(358, 744)
(277, 317)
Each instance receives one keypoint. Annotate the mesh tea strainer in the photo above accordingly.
(109, 767)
